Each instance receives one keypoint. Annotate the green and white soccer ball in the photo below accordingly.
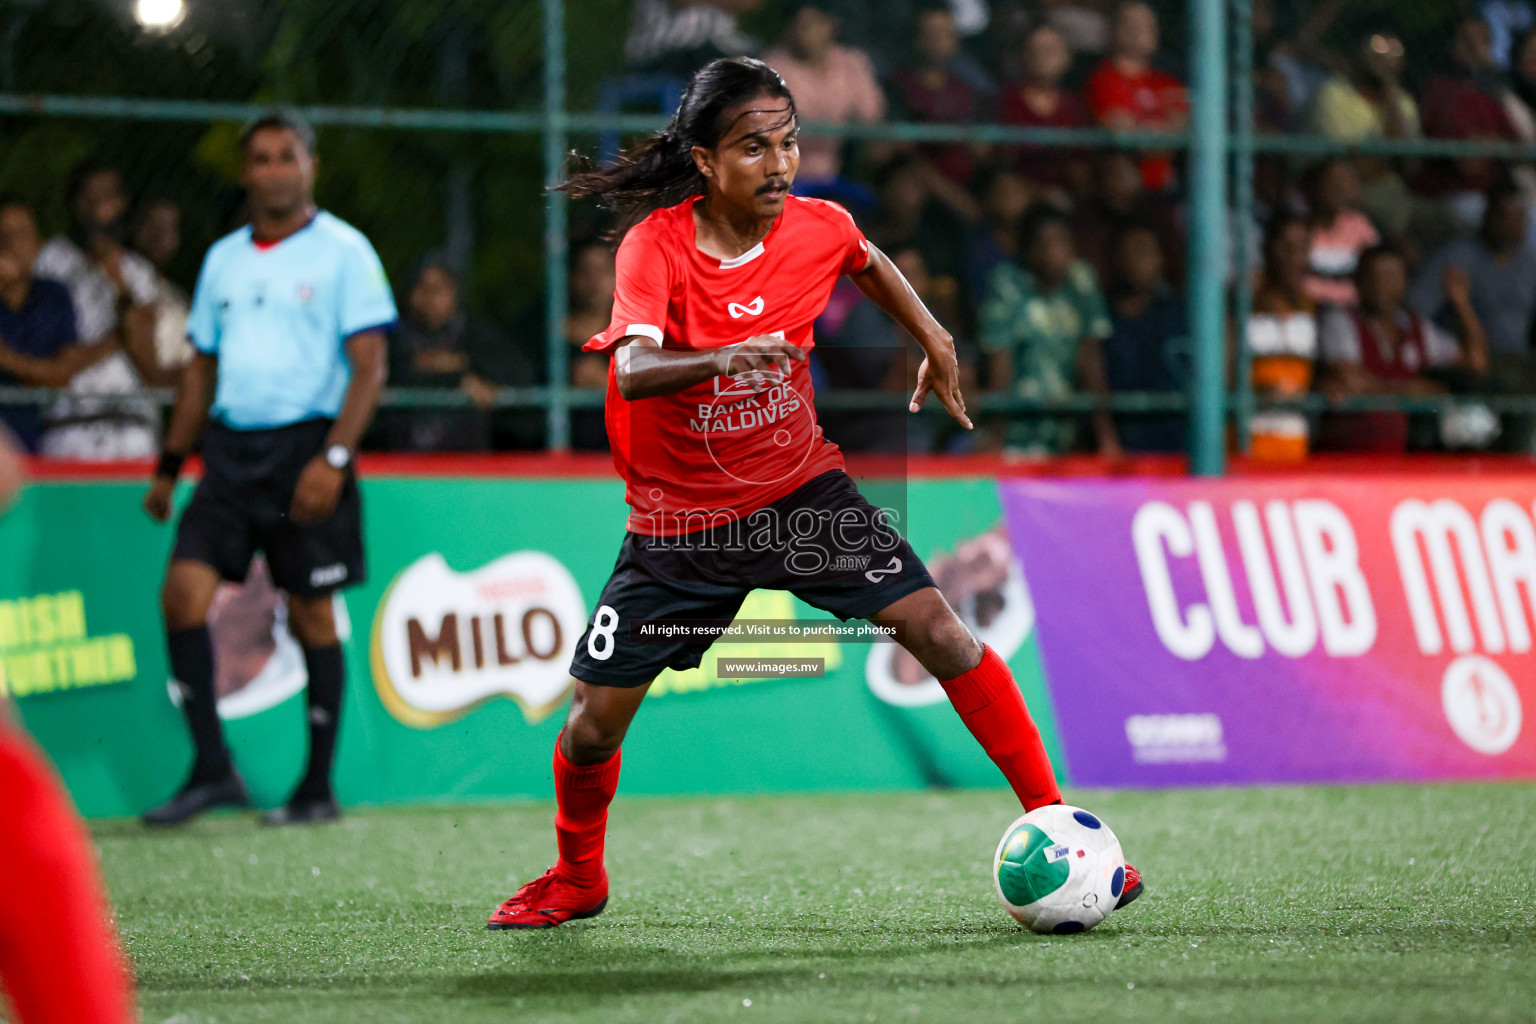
(1059, 869)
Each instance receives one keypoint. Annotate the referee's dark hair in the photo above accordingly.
(280, 117)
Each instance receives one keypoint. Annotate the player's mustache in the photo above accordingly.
(776, 183)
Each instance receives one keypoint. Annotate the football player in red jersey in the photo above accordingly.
(59, 962)
(731, 484)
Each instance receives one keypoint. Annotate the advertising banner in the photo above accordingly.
(1285, 629)
(458, 646)
(1164, 632)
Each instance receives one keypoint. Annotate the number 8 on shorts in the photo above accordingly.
(604, 624)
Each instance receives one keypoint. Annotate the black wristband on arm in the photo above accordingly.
(169, 466)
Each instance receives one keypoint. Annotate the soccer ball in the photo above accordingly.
(1059, 869)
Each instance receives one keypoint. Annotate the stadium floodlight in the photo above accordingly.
(159, 15)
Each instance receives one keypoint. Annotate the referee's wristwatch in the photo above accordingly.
(338, 456)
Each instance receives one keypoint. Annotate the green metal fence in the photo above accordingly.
(554, 50)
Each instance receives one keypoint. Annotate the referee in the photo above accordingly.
(288, 321)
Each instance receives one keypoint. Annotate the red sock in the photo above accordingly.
(582, 796)
(58, 956)
(991, 706)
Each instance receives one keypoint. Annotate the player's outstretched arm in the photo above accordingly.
(643, 369)
(940, 372)
(194, 394)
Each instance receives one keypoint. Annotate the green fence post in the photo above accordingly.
(556, 252)
(1208, 230)
(1242, 211)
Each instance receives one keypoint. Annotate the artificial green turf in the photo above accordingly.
(1389, 903)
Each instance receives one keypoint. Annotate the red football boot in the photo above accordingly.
(1133, 888)
(547, 901)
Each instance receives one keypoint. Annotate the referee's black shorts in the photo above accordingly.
(241, 507)
(829, 547)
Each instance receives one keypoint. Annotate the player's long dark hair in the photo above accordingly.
(660, 171)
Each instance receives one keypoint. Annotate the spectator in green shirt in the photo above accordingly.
(1042, 325)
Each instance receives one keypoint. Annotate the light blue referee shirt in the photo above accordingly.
(278, 319)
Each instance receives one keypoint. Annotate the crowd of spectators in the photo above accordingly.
(1059, 269)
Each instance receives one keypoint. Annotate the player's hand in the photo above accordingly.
(318, 491)
(941, 376)
(760, 361)
(157, 502)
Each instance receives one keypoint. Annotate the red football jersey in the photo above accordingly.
(1151, 98)
(717, 451)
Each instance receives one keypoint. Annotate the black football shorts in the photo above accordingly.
(823, 542)
(241, 507)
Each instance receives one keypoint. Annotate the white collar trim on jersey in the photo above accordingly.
(746, 257)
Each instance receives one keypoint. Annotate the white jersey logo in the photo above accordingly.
(876, 575)
(752, 308)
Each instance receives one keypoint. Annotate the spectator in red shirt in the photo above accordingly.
(1128, 94)
(1466, 104)
(1037, 100)
(942, 86)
